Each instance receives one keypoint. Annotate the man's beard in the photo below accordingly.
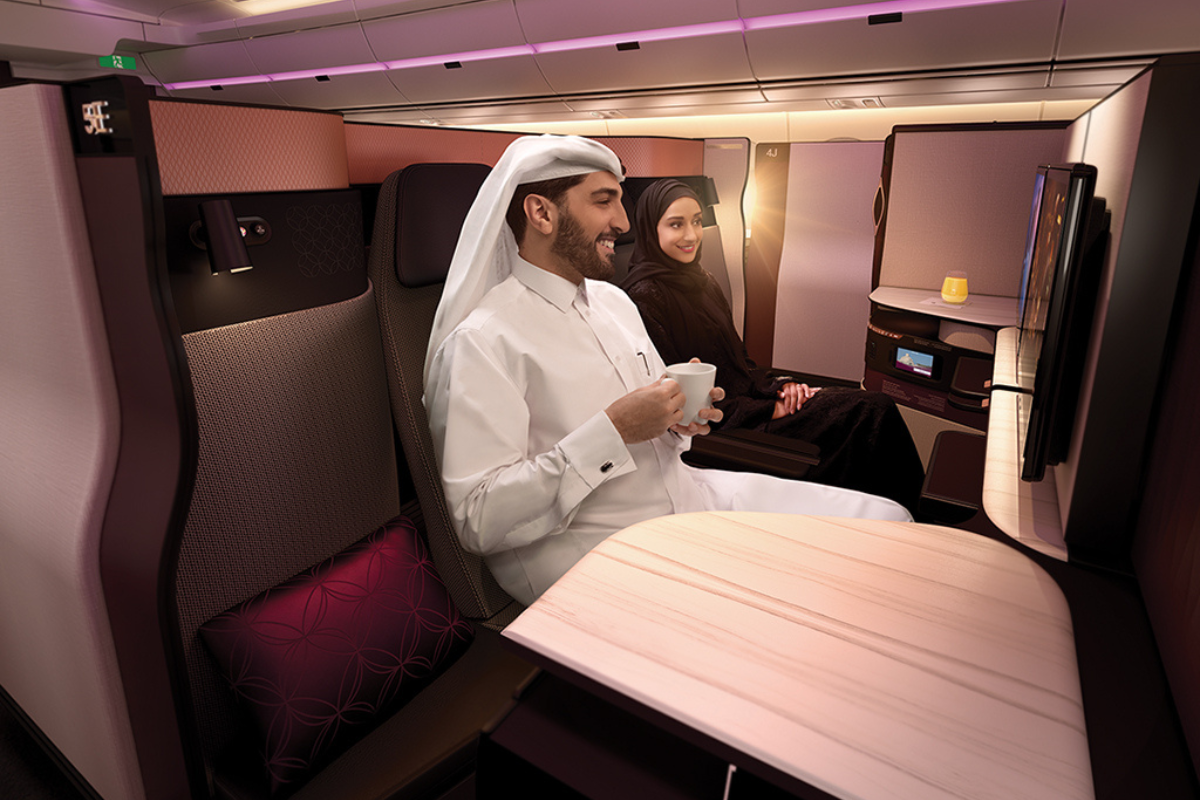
(572, 246)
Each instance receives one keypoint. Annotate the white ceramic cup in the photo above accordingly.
(696, 380)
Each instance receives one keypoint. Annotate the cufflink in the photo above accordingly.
(606, 466)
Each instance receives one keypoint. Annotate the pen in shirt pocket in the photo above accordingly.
(645, 363)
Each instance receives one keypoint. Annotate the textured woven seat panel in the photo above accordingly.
(296, 462)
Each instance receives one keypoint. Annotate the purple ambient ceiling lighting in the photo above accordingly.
(739, 25)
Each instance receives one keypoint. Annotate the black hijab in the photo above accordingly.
(648, 260)
(685, 311)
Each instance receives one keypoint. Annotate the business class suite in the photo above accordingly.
(221, 382)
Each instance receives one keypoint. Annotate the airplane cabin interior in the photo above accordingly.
(215, 312)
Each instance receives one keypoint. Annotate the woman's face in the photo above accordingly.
(681, 229)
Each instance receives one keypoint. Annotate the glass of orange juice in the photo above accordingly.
(954, 287)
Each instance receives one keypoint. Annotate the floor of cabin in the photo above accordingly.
(26, 771)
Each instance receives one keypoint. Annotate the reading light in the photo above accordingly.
(223, 235)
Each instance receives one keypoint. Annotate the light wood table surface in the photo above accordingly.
(867, 659)
(980, 309)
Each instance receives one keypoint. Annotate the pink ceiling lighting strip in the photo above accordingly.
(842, 13)
(656, 35)
(791, 20)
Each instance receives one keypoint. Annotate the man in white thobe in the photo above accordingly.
(552, 419)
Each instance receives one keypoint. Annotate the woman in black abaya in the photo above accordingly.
(864, 441)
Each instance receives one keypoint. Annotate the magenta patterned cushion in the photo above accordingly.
(321, 657)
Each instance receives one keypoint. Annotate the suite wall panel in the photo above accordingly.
(204, 149)
(59, 441)
(1167, 540)
(376, 151)
(1107, 138)
(1110, 452)
(821, 308)
(959, 200)
(646, 157)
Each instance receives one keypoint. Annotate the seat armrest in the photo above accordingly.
(753, 451)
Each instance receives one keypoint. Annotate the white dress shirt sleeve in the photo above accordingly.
(500, 496)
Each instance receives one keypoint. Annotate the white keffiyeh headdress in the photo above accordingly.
(486, 248)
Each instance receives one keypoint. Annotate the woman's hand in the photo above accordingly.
(792, 396)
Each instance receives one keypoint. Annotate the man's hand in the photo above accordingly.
(709, 414)
(646, 413)
(792, 396)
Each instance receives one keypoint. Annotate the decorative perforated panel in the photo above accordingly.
(208, 149)
(376, 151)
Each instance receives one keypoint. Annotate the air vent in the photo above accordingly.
(855, 102)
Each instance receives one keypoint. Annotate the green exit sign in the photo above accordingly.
(118, 62)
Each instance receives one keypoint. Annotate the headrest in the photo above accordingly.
(432, 200)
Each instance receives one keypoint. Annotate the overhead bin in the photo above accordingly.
(340, 91)
(259, 94)
(517, 76)
(458, 36)
(713, 59)
(554, 20)
(478, 27)
(1108, 28)
(592, 47)
(310, 50)
(201, 62)
(1004, 33)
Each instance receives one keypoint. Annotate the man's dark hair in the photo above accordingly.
(553, 190)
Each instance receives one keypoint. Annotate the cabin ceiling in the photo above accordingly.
(462, 62)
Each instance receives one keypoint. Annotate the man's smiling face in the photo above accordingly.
(590, 219)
